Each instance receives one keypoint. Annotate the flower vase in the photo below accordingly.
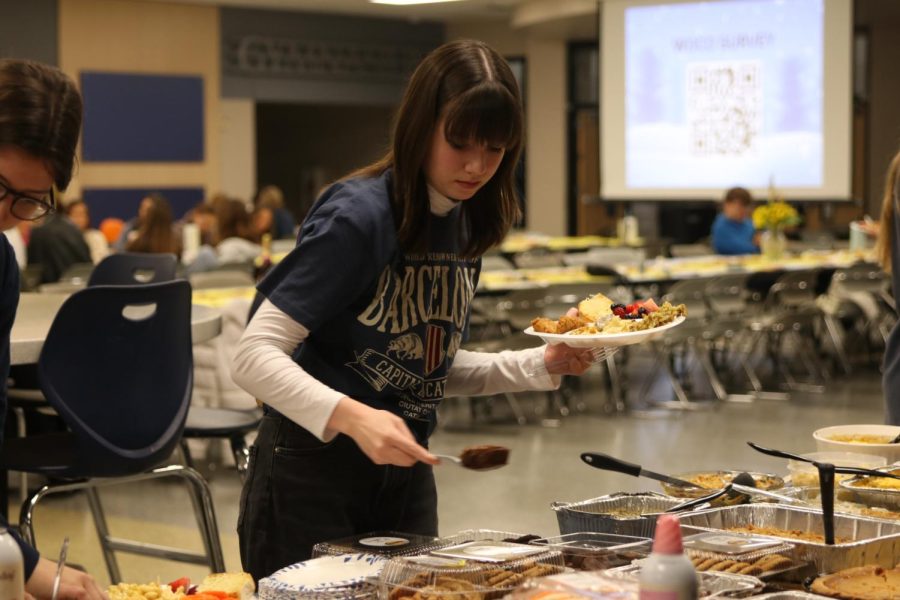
(772, 244)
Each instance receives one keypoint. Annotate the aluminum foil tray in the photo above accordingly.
(597, 515)
(873, 541)
(885, 498)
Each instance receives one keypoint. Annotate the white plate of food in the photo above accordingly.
(600, 340)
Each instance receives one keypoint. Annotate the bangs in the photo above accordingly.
(486, 114)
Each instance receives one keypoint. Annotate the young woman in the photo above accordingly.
(155, 232)
(888, 250)
(358, 339)
(40, 118)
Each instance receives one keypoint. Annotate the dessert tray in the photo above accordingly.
(596, 340)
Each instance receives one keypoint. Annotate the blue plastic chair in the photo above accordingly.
(131, 268)
(117, 366)
(134, 268)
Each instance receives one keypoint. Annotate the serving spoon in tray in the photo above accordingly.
(826, 483)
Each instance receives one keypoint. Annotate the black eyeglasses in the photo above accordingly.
(25, 207)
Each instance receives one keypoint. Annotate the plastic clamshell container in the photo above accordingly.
(382, 543)
(589, 551)
(449, 578)
(717, 551)
(478, 535)
(712, 585)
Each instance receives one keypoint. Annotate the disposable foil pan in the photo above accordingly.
(599, 514)
(885, 498)
(873, 541)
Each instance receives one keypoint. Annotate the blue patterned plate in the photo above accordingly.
(323, 574)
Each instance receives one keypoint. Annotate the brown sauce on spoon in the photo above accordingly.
(484, 457)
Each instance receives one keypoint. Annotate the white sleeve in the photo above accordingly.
(264, 368)
(486, 373)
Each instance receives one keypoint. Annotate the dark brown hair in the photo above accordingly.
(739, 194)
(155, 233)
(468, 85)
(233, 220)
(40, 112)
(886, 225)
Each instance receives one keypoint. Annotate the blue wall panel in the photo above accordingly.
(123, 202)
(142, 118)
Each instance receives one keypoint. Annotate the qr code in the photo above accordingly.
(724, 107)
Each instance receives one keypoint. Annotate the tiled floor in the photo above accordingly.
(545, 467)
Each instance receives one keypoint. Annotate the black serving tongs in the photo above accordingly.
(826, 483)
(837, 469)
(610, 463)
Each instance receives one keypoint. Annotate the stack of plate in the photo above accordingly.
(347, 577)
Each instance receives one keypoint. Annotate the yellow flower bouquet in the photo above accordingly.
(775, 214)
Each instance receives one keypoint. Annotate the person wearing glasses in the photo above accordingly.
(40, 119)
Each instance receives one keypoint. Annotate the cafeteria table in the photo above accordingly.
(37, 310)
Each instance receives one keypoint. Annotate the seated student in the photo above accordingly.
(732, 231)
(283, 223)
(41, 111)
(56, 244)
(78, 213)
(235, 241)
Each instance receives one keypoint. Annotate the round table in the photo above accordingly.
(37, 310)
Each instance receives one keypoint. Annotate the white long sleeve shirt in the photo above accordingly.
(264, 368)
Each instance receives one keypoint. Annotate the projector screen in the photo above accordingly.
(697, 97)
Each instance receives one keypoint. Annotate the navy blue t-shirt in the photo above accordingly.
(9, 302)
(384, 325)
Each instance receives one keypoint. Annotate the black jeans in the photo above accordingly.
(300, 492)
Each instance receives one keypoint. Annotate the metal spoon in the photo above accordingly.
(698, 501)
(459, 462)
(59, 567)
(744, 482)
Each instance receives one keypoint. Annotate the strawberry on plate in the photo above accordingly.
(184, 583)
